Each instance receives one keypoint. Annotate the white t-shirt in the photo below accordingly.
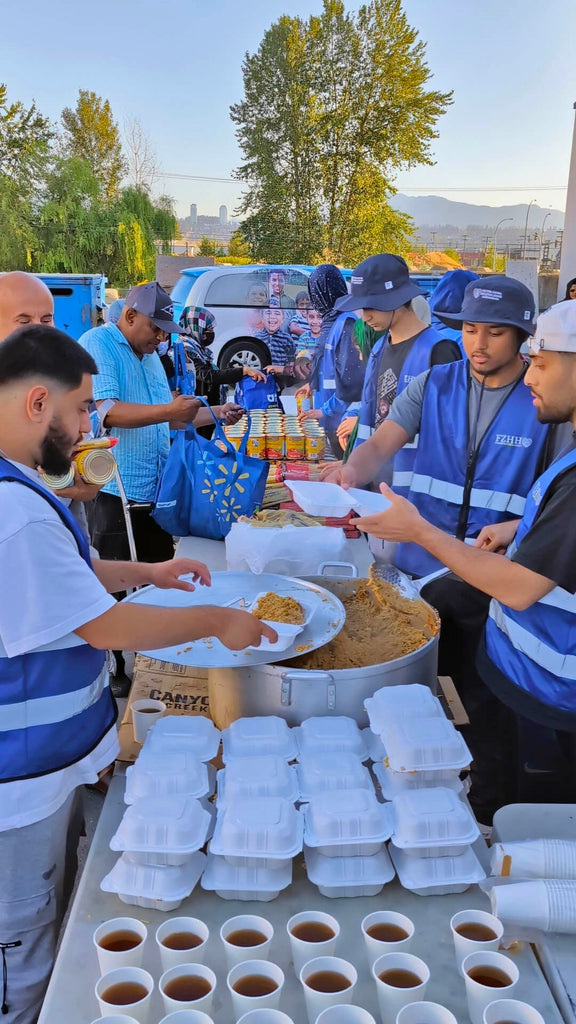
(46, 592)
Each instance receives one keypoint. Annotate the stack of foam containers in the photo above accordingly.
(169, 818)
(258, 828)
(345, 827)
(418, 758)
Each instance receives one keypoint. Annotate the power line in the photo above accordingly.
(400, 188)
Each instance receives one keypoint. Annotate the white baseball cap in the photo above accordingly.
(555, 329)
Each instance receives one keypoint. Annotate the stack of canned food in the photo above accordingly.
(275, 436)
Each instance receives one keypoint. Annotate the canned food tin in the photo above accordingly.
(57, 483)
(256, 446)
(274, 447)
(314, 448)
(303, 404)
(96, 465)
(295, 447)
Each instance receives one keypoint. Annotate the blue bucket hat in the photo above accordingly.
(381, 282)
(496, 299)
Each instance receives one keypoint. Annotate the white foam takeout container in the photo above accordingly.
(392, 702)
(437, 876)
(156, 888)
(162, 830)
(395, 783)
(347, 823)
(330, 735)
(258, 832)
(247, 777)
(231, 882)
(424, 744)
(168, 773)
(324, 773)
(433, 823)
(348, 876)
(267, 734)
(194, 733)
(330, 500)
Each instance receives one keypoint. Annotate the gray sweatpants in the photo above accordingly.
(37, 869)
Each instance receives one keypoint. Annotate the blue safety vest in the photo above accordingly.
(417, 362)
(55, 705)
(461, 491)
(536, 648)
(326, 393)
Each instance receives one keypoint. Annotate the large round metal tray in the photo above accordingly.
(327, 618)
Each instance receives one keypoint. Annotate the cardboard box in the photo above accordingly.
(184, 691)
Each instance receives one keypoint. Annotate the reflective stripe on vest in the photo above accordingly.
(461, 497)
(55, 704)
(536, 648)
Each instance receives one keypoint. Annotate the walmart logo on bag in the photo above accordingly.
(221, 490)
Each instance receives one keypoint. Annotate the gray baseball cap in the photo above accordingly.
(151, 300)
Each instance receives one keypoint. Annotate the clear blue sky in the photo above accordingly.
(176, 66)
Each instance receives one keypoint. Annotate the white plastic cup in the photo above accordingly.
(480, 996)
(376, 948)
(140, 1010)
(343, 1014)
(242, 1004)
(110, 959)
(432, 1013)
(316, 1001)
(186, 1017)
(115, 1018)
(511, 1010)
(463, 946)
(174, 957)
(264, 1017)
(303, 951)
(186, 971)
(392, 999)
(238, 954)
(145, 714)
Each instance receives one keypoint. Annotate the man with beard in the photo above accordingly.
(57, 618)
(527, 655)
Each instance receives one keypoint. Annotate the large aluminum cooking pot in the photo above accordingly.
(296, 694)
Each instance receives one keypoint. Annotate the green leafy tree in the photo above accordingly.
(333, 108)
(90, 132)
(239, 246)
(209, 247)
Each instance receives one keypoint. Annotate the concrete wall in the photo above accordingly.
(547, 289)
(168, 268)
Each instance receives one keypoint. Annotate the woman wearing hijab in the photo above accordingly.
(337, 371)
(209, 379)
(571, 289)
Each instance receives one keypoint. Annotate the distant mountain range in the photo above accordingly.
(437, 212)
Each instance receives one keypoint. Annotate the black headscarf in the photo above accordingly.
(325, 285)
(568, 287)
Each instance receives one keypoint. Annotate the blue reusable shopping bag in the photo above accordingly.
(257, 394)
(206, 485)
(184, 379)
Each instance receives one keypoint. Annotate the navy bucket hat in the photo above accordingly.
(381, 282)
(496, 299)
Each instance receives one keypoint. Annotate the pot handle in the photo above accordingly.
(309, 677)
(344, 570)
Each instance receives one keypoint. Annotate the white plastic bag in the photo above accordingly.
(287, 550)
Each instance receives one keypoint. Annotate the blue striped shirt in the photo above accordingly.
(141, 452)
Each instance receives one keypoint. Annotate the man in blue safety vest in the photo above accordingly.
(480, 444)
(527, 654)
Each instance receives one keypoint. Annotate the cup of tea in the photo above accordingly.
(345, 1015)
(312, 934)
(487, 974)
(265, 1017)
(182, 940)
(385, 931)
(327, 981)
(120, 943)
(188, 987)
(246, 937)
(432, 1013)
(474, 931)
(255, 985)
(127, 987)
(401, 978)
(145, 713)
(187, 1017)
(511, 1011)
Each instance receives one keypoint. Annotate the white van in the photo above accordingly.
(247, 302)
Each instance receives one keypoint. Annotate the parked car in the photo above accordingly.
(239, 298)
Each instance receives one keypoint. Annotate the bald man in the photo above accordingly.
(26, 300)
